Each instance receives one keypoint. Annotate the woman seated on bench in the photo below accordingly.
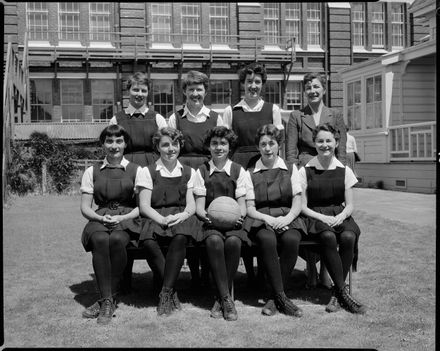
(273, 205)
(327, 203)
(221, 177)
(110, 185)
(166, 200)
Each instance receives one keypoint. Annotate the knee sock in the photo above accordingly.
(174, 260)
(101, 262)
(346, 250)
(289, 246)
(118, 242)
(216, 257)
(267, 243)
(232, 257)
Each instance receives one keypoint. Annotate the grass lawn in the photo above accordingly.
(48, 279)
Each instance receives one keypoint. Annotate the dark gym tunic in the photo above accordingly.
(245, 125)
(113, 192)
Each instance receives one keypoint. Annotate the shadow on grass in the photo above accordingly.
(250, 293)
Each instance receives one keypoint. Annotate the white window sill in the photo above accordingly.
(39, 43)
(70, 44)
(100, 44)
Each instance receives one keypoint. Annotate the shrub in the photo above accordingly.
(24, 174)
(21, 178)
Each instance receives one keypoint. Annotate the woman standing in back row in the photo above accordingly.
(250, 113)
(300, 147)
(139, 121)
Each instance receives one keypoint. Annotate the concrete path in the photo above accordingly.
(411, 208)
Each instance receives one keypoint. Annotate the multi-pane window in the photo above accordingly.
(374, 102)
(72, 100)
(190, 22)
(272, 92)
(69, 20)
(397, 25)
(41, 100)
(163, 96)
(294, 96)
(102, 99)
(161, 14)
(220, 92)
(293, 20)
(100, 21)
(314, 24)
(219, 21)
(378, 25)
(271, 22)
(37, 20)
(354, 94)
(358, 17)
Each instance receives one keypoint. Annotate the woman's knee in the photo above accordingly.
(214, 241)
(233, 241)
(290, 238)
(328, 238)
(266, 237)
(119, 238)
(99, 240)
(347, 238)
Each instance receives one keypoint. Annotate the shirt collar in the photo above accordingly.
(279, 163)
(243, 104)
(124, 163)
(203, 112)
(160, 166)
(333, 164)
(226, 168)
(130, 110)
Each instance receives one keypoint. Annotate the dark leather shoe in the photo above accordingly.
(175, 301)
(269, 308)
(216, 310)
(165, 306)
(228, 306)
(106, 311)
(333, 305)
(92, 311)
(284, 305)
(348, 302)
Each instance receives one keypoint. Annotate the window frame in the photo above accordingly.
(65, 105)
(95, 101)
(223, 19)
(190, 35)
(38, 106)
(44, 31)
(271, 23)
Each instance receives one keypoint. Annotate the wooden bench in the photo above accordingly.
(247, 253)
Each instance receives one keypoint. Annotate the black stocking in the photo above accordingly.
(101, 262)
(174, 260)
(346, 250)
(118, 242)
(155, 259)
(215, 249)
(267, 243)
(232, 257)
(331, 257)
(289, 247)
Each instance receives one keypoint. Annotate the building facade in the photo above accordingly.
(79, 55)
(390, 108)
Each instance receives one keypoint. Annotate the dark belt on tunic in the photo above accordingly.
(114, 205)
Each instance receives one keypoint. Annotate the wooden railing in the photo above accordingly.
(15, 103)
(413, 142)
(137, 46)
